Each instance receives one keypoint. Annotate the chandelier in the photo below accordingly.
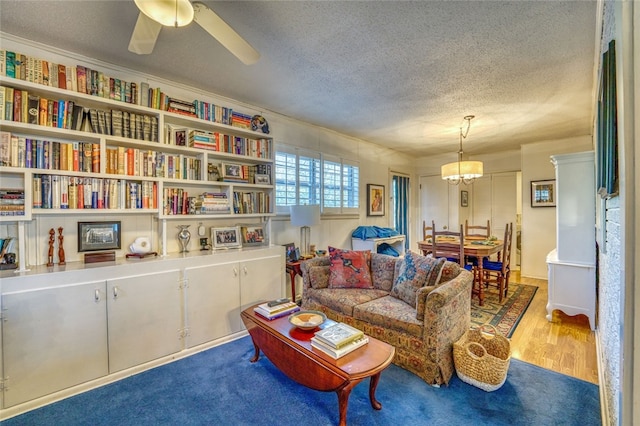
(462, 171)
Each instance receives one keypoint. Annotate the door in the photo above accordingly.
(213, 298)
(438, 202)
(145, 318)
(53, 339)
(260, 280)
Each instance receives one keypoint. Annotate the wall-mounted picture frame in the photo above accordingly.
(291, 253)
(543, 193)
(375, 200)
(262, 179)
(228, 237)
(253, 235)
(464, 198)
(94, 236)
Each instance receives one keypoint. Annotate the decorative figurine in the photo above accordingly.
(183, 237)
(52, 239)
(60, 247)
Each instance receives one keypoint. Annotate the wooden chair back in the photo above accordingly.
(426, 230)
(449, 251)
(477, 230)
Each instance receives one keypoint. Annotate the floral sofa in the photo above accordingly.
(420, 313)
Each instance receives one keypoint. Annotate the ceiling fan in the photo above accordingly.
(156, 13)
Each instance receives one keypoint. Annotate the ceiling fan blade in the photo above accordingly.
(226, 35)
(144, 35)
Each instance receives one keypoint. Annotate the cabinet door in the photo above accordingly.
(261, 279)
(213, 301)
(53, 339)
(145, 318)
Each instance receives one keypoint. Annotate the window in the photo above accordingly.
(304, 177)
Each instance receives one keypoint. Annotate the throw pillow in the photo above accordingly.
(349, 268)
(415, 271)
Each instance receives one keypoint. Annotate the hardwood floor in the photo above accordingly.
(566, 345)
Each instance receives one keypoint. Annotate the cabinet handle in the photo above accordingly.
(115, 292)
(96, 297)
(244, 269)
(235, 271)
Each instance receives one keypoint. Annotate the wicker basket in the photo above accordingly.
(482, 359)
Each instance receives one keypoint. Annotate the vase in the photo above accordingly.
(183, 237)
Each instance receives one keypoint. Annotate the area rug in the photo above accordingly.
(220, 386)
(504, 316)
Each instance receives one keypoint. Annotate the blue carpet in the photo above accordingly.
(221, 386)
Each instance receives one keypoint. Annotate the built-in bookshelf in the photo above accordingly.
(87, 154)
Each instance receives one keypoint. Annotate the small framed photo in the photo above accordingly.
(291, 253)
(252, 235)
(232, 172)
(543, 193)
(93, 236)
(375, 200)
(263, 179)
(226, 237)
(464, 198)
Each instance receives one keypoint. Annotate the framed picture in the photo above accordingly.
(263, 179)
(94, 236)
(226, 237)
(252, 235)
(543, 193)
(232, 172)
(290, 252)
(464, 198)
(375, 200)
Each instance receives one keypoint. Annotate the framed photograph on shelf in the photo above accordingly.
(543, 193)
(232, 172)
(262, 179)
(252, 235)
(228, 237)
(290, 252)
(94, 236)
(464, 198)
(375, 200)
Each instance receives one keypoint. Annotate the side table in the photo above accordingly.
(293, 268)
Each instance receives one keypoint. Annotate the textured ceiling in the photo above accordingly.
(397, 73)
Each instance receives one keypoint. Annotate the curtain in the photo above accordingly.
(401, 206)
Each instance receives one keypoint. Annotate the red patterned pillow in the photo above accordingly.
(349, 269)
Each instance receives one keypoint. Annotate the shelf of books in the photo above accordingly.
(89, 146)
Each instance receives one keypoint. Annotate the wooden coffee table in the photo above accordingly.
(289, 349)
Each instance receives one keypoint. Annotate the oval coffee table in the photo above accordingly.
(289, 349)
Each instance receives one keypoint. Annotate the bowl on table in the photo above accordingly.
(307, 320)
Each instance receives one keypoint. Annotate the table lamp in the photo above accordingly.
(305, 217)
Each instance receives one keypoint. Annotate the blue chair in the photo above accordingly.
(497, 272)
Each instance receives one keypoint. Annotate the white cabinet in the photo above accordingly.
(145, 318)
(63, 332)
(52, 339)
(373, 244)
(572, 283)
(261, 279)
(213, 300)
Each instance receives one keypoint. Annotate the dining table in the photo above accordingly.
(473, 247)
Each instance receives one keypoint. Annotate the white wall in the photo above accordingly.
(375, 163)
(539, 224)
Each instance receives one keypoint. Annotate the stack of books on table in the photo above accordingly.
(276, 309)
(338, 340)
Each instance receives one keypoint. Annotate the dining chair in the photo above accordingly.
(426, 235)
(497, 272)
(477, 230)
(451, 252)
